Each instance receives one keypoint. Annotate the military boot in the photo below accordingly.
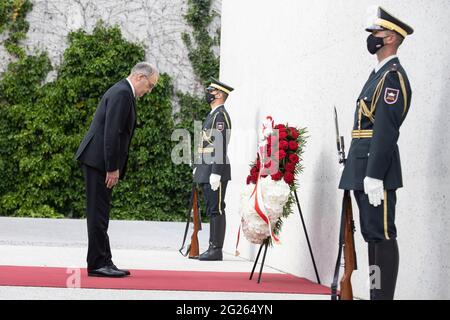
(386, 257)
(216, 239)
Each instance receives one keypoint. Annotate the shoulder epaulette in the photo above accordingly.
(226, 118)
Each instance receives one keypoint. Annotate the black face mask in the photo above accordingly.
(209, 97)
(374, 43)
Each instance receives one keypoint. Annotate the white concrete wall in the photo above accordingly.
(296, 59)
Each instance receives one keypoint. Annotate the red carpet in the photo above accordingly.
(162, 280)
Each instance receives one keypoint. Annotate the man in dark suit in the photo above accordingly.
(373, 168)
(212, 167)
(103, 154)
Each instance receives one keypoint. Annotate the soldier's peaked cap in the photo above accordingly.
(220, 86)
(383, 20)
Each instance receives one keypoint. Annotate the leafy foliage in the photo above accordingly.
(42, 126)
(12, 20)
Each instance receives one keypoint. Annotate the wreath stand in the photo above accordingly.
(265, 244)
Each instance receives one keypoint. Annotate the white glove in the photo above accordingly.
(214, 181)
(374, 189)
(193, 172)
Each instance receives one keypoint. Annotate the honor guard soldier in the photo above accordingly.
(373, 169)
(212, 168)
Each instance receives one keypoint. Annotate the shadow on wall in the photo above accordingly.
(438, 189)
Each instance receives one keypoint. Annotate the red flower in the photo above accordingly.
(258, 164)
(254, 171)
(280, 154)
(289, 178)
(284, 145)
(294, 158)
(294, 132)
(249, 179)
(293, 145)
(282, 135)
(280, 127)
(277, 176)
(289, 167)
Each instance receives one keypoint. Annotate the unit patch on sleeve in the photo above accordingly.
(391, 95)
(220, 126)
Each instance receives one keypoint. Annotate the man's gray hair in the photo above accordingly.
(144, 68)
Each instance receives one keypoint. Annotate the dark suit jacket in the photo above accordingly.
(379, 157)
(212, 154)
(107, 142)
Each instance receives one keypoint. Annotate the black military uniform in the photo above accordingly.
(212, 158)
(381, 108)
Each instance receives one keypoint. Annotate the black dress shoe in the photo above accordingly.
(106, 271)
(127, 272)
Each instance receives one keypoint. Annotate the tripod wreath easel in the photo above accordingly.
(265, 244)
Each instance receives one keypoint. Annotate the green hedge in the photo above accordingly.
(41, 127)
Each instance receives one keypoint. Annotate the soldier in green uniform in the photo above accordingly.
(373, 168)
(212, 167)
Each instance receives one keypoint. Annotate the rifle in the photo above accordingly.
(193, 211)
(346, 234)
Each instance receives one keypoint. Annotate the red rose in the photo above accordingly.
(284, 145)
(289, 178)
(280, 154)
(280, 127)
(289, 167)
(282, 135)
(294, 132)
(293, 158)
(277, 176)
(293, 145)
(254, 171)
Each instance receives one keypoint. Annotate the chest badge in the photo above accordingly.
(391, 95)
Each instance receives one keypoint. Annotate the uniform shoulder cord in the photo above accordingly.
(370, 113)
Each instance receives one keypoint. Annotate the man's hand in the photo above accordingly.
(112, 177)
(214, 181)
(374, 189)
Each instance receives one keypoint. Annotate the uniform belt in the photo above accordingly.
(360, 134)
(206, 150)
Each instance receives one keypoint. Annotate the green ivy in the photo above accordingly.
(41, 125)
(12, 20)
(199, 44)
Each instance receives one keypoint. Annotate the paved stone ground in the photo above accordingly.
(135, 245)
